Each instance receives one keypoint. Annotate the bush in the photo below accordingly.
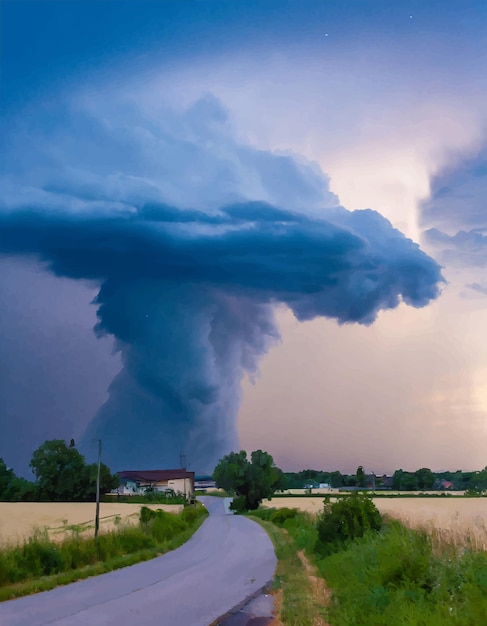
(190, 514)
(238, 504)
(146, 514)
(345, 520)
(279, 516)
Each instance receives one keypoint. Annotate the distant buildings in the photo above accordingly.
(171, 481)
(202, 483)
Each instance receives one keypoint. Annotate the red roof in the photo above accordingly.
(154, 476)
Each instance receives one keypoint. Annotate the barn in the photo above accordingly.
(170, 481)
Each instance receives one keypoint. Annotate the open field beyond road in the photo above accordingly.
(457, 519)
(19, 520)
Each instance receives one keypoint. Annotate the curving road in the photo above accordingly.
(227, 559)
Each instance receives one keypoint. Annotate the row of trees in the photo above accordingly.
(252, 480)
(61, 475)
(421, 479)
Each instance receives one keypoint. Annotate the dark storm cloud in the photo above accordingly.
(189, 297)
(192, 239)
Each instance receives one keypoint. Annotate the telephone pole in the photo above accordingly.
(97, 514)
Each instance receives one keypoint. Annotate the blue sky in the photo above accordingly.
(115, 108)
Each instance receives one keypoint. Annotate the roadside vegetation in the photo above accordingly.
(378, 571)
(38, 563)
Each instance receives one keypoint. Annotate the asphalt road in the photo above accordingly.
(227, 559)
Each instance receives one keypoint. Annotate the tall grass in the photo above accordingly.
(37, 557)
(396, 576)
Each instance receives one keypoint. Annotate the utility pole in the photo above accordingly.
(182, 459)
(97, 514)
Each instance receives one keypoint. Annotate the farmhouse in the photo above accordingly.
(178, 481)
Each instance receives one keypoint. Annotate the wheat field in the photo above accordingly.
(19, 520)
(462, 521)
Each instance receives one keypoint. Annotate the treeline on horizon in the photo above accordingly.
(401, 480)
(61, 475)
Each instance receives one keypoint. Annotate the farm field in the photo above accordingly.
(462, 520)
(19, 520)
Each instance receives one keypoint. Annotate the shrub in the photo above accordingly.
(345, 520)
(238, 504)
(279, 516)
(190, 514)
(146, 514)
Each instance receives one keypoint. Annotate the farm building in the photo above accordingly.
(178, 481)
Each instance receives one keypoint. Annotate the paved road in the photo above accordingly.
(226, 560)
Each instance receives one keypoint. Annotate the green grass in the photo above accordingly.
(391, 577)
(394, 577)
(298, 605)
(39, 564)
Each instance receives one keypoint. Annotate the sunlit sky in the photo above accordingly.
(388, 99)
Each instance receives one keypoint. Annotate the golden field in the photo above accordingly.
(460, 520)
(19, 520)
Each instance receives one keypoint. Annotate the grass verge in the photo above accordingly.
(299, 606)
(395, 575)
(39, 564)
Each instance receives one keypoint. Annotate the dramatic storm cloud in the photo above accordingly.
(193, 240)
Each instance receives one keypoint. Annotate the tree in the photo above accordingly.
(397, 479)
(250, 481)
(6, 478)
(63, 475)
(409, 482)
(426, 478)
(108, 481)
(60, 471)
(360, 476)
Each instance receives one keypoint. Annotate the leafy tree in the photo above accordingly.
(426, 478)
(360, 476)
(63, 475)
(13, 488)
(6, 477)
(108, 481)
(251, 481)
(60, 471)
(406, 481)
(410, 482)
(397, 479)
(22, 490)
(336, 479)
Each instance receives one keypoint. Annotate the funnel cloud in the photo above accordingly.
(193, 240)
